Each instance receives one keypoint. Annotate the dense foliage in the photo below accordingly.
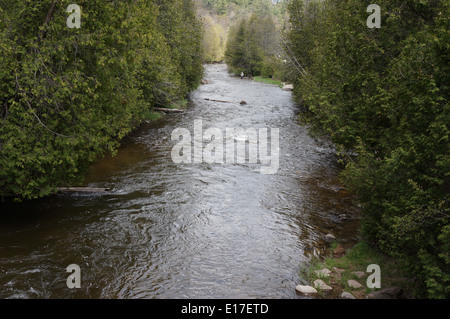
(68, 95)
(222, 18)
(223, 6)
(214, 40)
(251, 46)
(254, 46)
(382, 93)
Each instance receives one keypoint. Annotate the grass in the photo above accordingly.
(180, 105)
(153, 116)
(358, 258)
(267, 81)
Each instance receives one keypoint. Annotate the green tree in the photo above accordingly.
(383, 93)
(67, 96)
(214, 41)
(252, 46)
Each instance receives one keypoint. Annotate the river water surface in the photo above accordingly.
(169, 230)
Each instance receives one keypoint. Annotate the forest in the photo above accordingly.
(68, 96)
(381, 95)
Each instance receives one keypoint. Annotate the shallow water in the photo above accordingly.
(169, 230)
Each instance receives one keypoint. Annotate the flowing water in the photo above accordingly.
(168, 230)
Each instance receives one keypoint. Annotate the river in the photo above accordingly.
(181, 230)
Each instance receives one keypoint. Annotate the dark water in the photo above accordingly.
(171, 230)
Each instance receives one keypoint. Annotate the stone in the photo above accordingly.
(334, 280)
(339, 251)
(243, 102)
(320, 284)
(337, 276)
(387, 293)
(329, 237)
(354, 284)
(288, 87)
(346, 295)
(338, 270)
(306, 290)
(359, 274)
(322, 272)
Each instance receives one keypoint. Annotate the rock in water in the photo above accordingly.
(243, 102)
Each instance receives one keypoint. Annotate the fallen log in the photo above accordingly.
(212, 100)
(160, 109)
(82, 190)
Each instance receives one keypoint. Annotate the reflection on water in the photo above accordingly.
(171, 230)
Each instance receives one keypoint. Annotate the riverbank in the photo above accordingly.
(157, 114)
(268, 81)
(345, 274)
(224, 230)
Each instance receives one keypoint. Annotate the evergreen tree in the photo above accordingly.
(252, 46)
(383, 93)
(67, 96)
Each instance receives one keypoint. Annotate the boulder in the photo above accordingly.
(346, 295)
(306, 290)
(338, 270)
(329, 237)
(337, 275)
(320, 284)
(387, 293)
(354, 284)
(359, 274)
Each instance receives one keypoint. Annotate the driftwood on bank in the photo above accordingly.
(82, 190)
(160, 109)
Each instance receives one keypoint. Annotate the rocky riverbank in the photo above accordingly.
(345, 275)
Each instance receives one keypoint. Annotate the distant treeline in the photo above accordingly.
(253, 48)
(69, 95)
(254, 44)
(382, 94)
(222, 6)
(223, 17)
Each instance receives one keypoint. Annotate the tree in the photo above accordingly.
(214, 41)
(252, 45)
(383, 94)
(67, 96)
